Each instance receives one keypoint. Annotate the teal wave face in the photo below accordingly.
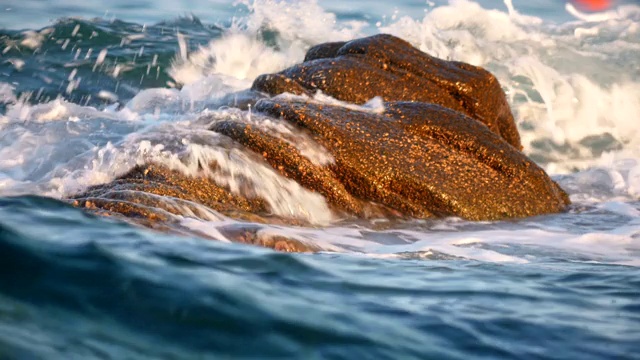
(82, 60)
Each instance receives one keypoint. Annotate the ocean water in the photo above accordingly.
(89, 90)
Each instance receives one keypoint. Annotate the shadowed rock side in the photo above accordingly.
(445, 145)
(386, 66)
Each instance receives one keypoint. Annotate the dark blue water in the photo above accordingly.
(76, 286)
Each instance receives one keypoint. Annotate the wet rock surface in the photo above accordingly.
(386, 66)
(154, 192)
(445, 144)
(425, 160)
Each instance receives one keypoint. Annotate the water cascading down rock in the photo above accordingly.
(445, 144)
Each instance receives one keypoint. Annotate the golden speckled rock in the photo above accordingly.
(423, 160)
(444, 145)
(386, 66)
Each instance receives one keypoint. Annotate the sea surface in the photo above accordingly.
(89, 89)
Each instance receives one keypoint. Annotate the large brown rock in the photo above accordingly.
(445, 144)
(386, 66)
(421, 160)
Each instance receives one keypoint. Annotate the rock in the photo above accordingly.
(423, 160)
(252, 234)
(384, 65)
(445, 144)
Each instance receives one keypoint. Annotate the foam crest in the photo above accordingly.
(40, 141)
(275, 35)
(610, 179)
(451, 239)
(465, 31)
(244, 174)
(304, 21)
(240, 55)
(581, 118)
(206, 93)
(615, 246)
(374, 105)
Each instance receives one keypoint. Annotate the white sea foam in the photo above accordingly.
(609, 180)
(242, 53)
(237, 54)
(531, 241)
(7, 94)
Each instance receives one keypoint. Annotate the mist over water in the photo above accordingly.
(87, 93)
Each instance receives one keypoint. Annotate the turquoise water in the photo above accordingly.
(87, 91)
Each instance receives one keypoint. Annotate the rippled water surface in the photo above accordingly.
(89, 91)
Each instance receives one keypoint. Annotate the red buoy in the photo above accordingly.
(592, 5)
